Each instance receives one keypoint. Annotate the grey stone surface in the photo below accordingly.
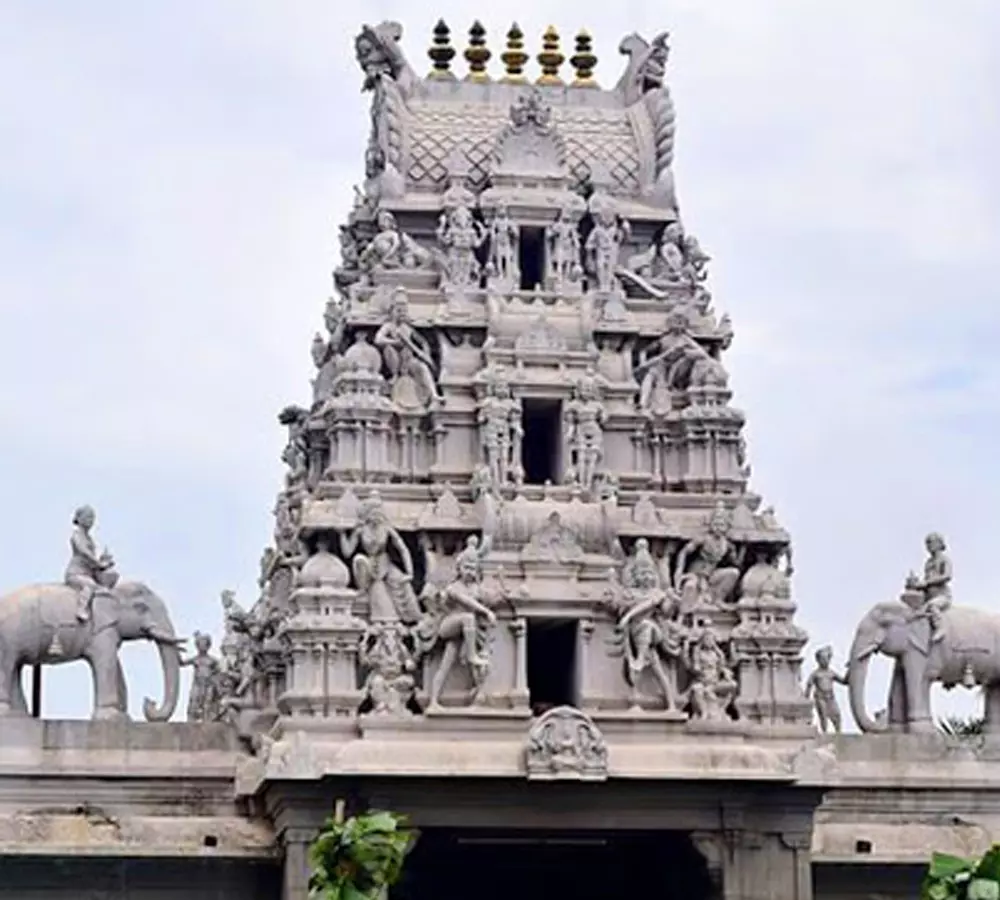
(515, 545)
(87, 617)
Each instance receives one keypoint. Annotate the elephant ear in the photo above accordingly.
(105, 612)
(919, 636)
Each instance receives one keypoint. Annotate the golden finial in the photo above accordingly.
(477, 54)
(441, 51)
(551, 58)
(583, 60)
(514, 56)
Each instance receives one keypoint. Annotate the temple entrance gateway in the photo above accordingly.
(499, 865)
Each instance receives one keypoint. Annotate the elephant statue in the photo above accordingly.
(968, 653)
(39, 625)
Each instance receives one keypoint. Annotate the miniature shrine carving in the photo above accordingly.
(565, 744)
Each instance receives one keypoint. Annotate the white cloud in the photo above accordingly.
(171, 179)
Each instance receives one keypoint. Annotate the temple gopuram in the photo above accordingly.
(521, 588)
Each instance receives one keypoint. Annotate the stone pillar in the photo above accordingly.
(759, 865)
(295, 869)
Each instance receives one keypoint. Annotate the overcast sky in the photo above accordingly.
(171, 178)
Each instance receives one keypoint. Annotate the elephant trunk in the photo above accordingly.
(170, 659)
(857, 676)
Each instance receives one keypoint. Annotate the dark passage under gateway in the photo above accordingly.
(507, 865)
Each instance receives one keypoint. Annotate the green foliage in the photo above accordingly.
(954, 878)
(359, 858)
(956, 727)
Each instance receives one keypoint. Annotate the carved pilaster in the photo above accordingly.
(295, 869)
(519, 629)
(761, 866)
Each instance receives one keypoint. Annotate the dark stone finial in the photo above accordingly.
(441, 51)
(584, 60)
(514, 57)
(551, 58)
(477, 54)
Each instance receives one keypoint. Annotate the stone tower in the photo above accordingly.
(516, 509)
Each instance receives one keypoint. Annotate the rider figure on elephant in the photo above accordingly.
(87, 572)
(935, 585)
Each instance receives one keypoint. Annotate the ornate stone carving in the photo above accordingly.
(386, 584)
(713, 685)
(530, 145)
(820, 688)
(391, 80)
(709, 567)
(391, 249)
(585, 418)
(407, 357)
(205, 697)
(935, 586)
(554, 541)
(456, 619)
(88, 616)
(541, 336)
(386, 652)
(565, 744)
(296, 453)
(643, 81)
(649, 631)
(504, 267)
(460, 234)
(563, 259)
(500, 430)
(326, 352)
(677, 362)
(603, 245)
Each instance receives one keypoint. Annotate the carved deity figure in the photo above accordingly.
(461, 235)
(586, 416)
(407, 355)
(662, 263)
(326, 353)
(504, 248)
(386, 585)
(935, 585)
(385, 652)
(458, 619)
(602, 248)
(649, 626)
(500, 430)
(204, 701)
(88, 572)
(563, 238)
(675, 358)
(819, 687)
(696, 260)
(714, 564)
(713, 685)
(392, 249)
(295, 455)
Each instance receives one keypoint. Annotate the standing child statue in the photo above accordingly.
(819, 686)
(87, 572)
(204, 699)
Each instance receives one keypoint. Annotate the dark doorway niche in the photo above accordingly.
(541, 444)
(539, 865)
(531, 257)
(551, 663)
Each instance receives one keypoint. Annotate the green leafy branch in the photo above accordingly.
(954, 878)
(359, 858)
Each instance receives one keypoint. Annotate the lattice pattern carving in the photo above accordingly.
(437, 129)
